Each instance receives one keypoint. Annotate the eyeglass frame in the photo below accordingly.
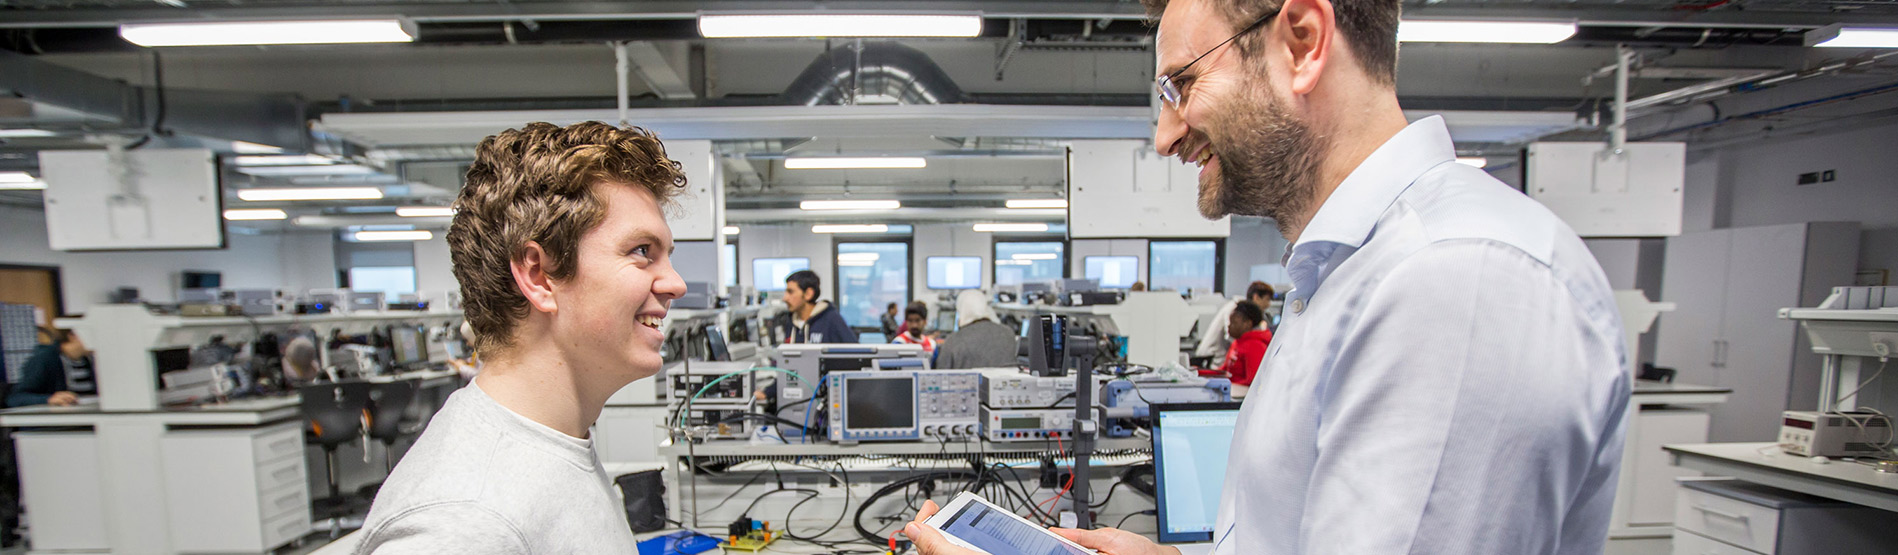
(1170, 93)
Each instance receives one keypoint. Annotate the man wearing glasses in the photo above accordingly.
(1447, 374)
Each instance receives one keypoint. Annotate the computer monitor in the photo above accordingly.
(1113, 272)
(189, 279)
(768, 274)
(715, 348)
(955, 272)
(409, 344)
(1190, 443)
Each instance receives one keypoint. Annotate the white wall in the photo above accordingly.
(296, 261)
(434, 271)
(1755, 184)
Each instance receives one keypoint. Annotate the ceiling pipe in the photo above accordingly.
(842, 75)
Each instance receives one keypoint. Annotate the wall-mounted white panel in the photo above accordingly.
(1122, 188)
(701, 206)
(148, 199)
(1636, 194)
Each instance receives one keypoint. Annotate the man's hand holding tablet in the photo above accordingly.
(972, 525)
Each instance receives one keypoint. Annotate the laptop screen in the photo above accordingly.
(1190, 444)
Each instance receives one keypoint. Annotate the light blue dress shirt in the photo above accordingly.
(1446, 378)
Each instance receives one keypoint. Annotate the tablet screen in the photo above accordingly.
(988, 529)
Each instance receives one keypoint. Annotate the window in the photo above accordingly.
(1018, 262)
(768, 274)
(1183, 265)
(870, 276)
(392, 281)
(730, 255)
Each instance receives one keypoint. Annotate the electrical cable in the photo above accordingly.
(765, 417)
(1868, 381)
(1123, 520)
(728, 498)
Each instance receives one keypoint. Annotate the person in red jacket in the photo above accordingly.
(1249, 341)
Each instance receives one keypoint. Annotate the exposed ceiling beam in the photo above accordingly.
(651, 67)
(557, 11)
(1650, 17)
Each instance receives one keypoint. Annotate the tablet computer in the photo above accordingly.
(972, 522)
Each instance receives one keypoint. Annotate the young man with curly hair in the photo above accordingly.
(564, 258)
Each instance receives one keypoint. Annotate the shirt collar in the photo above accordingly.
(1353, 209)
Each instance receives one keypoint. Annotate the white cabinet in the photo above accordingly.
(1734, 517)
(1728, 286)
(236, 490)
(629, 434)
(65, 508)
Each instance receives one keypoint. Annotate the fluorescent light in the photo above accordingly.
(1026, 228)
(228, 33)
(417, 235)
(736, 25)
(850, 228)
(858, 163)
(243, 147)
(1472, 161)
(850, 205)
(286, 160)
(1848, 37)
(856, 263)
(17, 177)
(859, 256)
(255, 214)
(310, 193)
(1036, 256)
(1522, 32)
(290, 171)
(425, 211)
(1038, 203)
(1012, 262)
(731, 230)
(25, 133)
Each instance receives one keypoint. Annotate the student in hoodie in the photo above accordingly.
(812, 320)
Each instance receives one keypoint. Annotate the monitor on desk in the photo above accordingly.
(715, 348)
(1190, 444)
(955, 272)
(1113, 272)
(411, 348)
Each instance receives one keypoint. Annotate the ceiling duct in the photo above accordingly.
(867, 69)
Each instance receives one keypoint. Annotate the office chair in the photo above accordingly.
(388, 403)
(335, 413)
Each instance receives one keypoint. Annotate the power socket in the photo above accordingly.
(1884, 344)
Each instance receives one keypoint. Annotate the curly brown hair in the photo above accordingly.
(1370, 26)
(542, 183)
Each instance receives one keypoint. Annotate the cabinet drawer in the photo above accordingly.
(283, 472)
(1729, 520)
(282, 501)
(285, 528)
(279, 443)
(1689, 543)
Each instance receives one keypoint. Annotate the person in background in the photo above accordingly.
(55, 374)
(890, 320)
(812, 320)
(561, 246)
(1138, 286)
(1215, 340)
(980, 340)
(916, 328)
(1249, 342)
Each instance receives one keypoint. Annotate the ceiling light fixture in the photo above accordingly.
(255, 214)
(416, 235)
(1020, 228)
(798, 25)
(17, 177)
(307, 171)
(232, 33)
(850, 228)
(860, 256)
(310, 193)
(850, 205)
(244, 147)
(285, 160)
(425, 211)
(856, 263)
(1839, 36)
(1517, 32)
(1038, 203)
(731, 230)
(1472, 161)
(856, 163)
(26, 133)
(1035, 256)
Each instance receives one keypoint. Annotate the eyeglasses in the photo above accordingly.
(1170, 91)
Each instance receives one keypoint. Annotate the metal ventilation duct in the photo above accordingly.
(842, 75)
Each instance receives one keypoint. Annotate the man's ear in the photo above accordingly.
(530, 276)
(1307, 28)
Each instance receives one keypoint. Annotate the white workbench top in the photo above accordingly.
(1764, 463)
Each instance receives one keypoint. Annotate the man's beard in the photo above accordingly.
(1268, 162)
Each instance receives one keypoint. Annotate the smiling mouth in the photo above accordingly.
(651, 321)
